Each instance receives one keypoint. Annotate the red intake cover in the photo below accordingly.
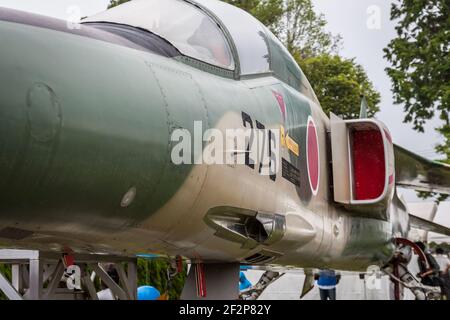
(368, 164)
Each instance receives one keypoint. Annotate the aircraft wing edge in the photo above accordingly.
(423, 224)
(416, 172)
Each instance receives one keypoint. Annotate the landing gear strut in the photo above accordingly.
(401, 277)
(266, 279)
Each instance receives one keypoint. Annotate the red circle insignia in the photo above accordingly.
(312, 155)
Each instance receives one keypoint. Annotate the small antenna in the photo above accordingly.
(363, 109)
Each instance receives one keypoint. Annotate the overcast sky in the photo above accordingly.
(366, 29)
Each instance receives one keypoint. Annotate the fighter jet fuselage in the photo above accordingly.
(94, 156)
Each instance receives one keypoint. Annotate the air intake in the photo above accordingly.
(250, 228)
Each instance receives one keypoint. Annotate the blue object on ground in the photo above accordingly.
(148, 293)
(243, 282)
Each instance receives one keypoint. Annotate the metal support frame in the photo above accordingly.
(38, 275)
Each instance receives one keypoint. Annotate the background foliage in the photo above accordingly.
(154, 273)
(420, 70)
(339, 83)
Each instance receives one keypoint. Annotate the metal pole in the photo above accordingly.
(35, 288)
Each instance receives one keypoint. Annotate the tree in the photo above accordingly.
(114, 3)
(339, 84)
(6, 271)
(269, 12)
(302, 30)
(296, 24)
(420, 60)
(154, 273)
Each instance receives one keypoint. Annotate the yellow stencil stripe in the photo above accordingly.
(282, 136)
(292, 145)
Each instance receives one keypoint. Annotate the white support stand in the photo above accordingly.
(38, 275)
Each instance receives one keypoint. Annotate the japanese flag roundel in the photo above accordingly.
(312, 155)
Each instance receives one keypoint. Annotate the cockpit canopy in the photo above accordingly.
(212, 32)
(186, 27)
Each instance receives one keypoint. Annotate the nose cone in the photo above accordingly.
(83, 129)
